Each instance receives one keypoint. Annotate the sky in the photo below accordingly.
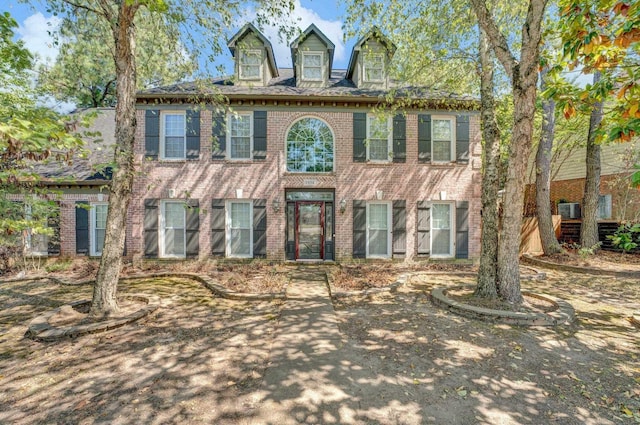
(35, 24)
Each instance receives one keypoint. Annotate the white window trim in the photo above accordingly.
(230, 115)
(333, 152)
(257, 52)
(452, 230)
(228, 228)
(163, 115)
(93, 249)
(389, 139)
(28, 235)
(451, 118)
(322, 66)
(389, 229)
(161, 229)
(367, 59)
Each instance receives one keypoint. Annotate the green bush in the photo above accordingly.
(627, 237)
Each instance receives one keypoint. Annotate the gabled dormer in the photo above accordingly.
(312, 55)
(370, 59)
(253, 56)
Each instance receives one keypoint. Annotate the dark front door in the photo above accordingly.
(309, 230)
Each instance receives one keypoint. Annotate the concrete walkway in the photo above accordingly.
(308, 380)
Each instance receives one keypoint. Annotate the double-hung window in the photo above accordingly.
(373, 65)
(250, 64)
(379, 147)
(443, 139)
(378, 230)
(239, 229)
(98, 225)
(240, 135)
(35, 244)
(312, 66)
(442, 231)
(173, 140)
(604, 207)
(172, 229)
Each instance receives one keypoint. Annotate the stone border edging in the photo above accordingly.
(565, 314)
(208, 282)
(401, 280)
(578, 269)
(41, 330)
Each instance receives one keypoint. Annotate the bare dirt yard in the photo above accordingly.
(201, 359)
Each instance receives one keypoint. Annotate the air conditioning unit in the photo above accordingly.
(569, 210)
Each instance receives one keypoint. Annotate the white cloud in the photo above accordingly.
(35, 32)
(302, 18)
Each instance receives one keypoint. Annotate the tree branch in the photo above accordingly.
(498, 41)
(83, 6)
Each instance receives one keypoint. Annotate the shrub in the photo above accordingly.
(626, 237)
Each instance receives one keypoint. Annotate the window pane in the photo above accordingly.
(441, 151)
(240, 242)
(373, 66)
(174, 125)
(378, 242)
(174, 136)
(312, 66)
(99, 234)
(440, 218)
(174, 215)
(240, 215)
(101, 216)
(440, 243)
(312, 73)
(310, 147)
(441, 229)
(99, 227)
(312, 60)
(240, 229)
(240, 136)
(441, 130)
(250, 64)
(378, 216)
(174, 242)
(378, 138)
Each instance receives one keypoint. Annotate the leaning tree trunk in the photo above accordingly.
(589, 229)
(550, 243)
(488, 272)
(104, 300)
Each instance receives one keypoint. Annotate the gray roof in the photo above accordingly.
(338, 88)
(88, 167)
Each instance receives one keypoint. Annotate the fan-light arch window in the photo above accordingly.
(310, 147)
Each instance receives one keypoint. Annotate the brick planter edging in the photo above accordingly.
(579, 269)
(41, 330)
(564, 314)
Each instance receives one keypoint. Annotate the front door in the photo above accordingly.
(309, 230)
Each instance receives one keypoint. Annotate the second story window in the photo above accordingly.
(373, 68)
(250, 64)
(173, 143)
(240, 135)
(312, 66)
(379, 138)
(443, 139)
(310, 147)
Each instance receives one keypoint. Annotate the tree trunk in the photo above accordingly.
(550, 243)
(104, 301)
(589, 229)
(487, 273)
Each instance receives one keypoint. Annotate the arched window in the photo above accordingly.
(310, 147)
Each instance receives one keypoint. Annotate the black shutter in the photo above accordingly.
(462, 229)
(217, 227)
(82, 228)
(259, 228)
(359, 137)
(424, 138)
(193, 134)
(462, 139)
(53, 222)
(193, 228)
(359, 229)
(399, 138)
(424, 227)
(219, 135)
(151, 228)
(151, 133)
(399, 228)
(259, 135)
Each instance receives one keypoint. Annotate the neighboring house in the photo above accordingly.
(80, 191)
(618, 200)
(296, 165)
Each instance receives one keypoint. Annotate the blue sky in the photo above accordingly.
(35, 24)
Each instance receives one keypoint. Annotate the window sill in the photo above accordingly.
(312, 174)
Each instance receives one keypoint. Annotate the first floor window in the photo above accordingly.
(172, 222)
(442, 230)
(35, 243)
(379, 138)
(240, 136)
(604, 207)
(312, 66)
(239, 229)
(98, 227)
(173, 145)
(443, 139)
(378, 230)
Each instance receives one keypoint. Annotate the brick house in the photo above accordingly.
(305, 163)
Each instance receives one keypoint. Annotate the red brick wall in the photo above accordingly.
(207, 179)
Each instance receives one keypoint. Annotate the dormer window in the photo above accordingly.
(250, 64)
(374, 68)
(312, 66)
